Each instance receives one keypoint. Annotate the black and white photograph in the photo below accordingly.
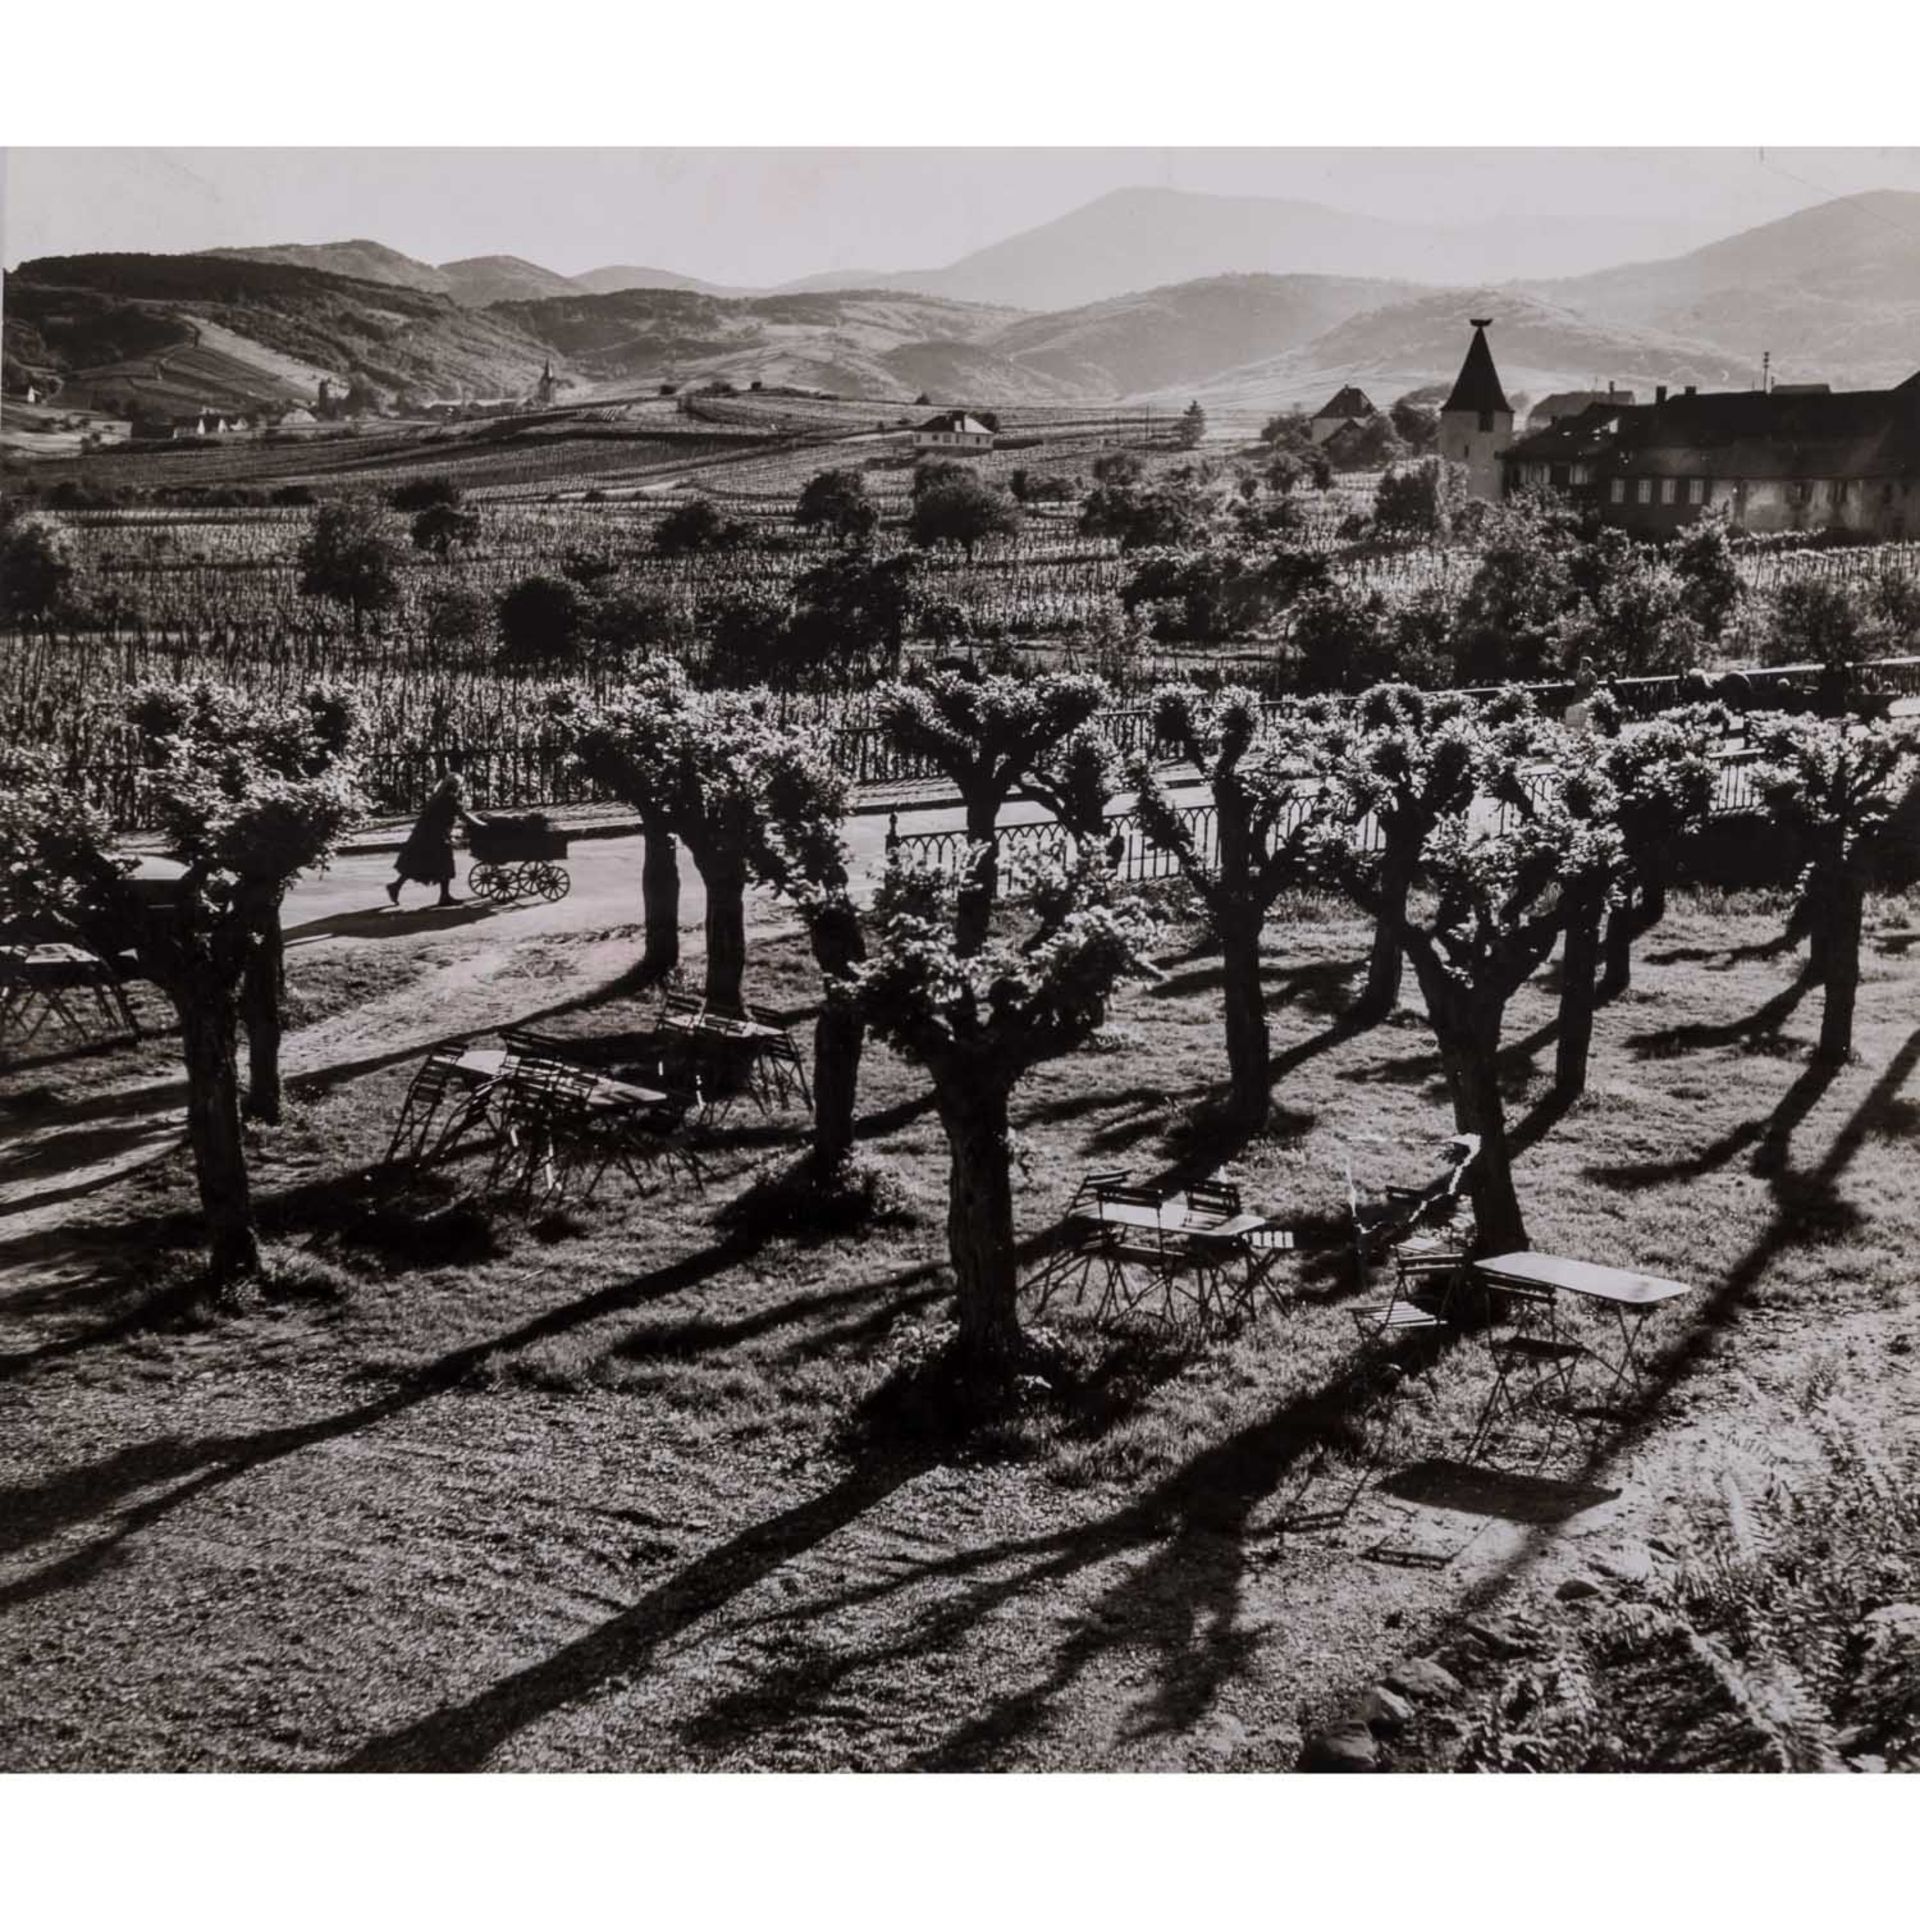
(961, 956)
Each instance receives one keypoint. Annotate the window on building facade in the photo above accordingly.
(1666, 493)
(1643, 492)
(1616, 491)
(1696, 493)
(1486, 423)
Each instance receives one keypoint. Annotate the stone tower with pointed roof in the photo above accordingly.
(1476, 424)
(543, 394)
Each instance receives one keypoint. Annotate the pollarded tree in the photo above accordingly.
(797, 849)
(1263, 820)
(989, 736)
(1662, 778)
(1837, 786)
(688, 765)
(350, 555)
(1403, 766)
(664, 681)
(310, 739)
(978, 1016)
(1491, 902)
(234, 823)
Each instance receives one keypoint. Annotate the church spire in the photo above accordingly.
(1477, 390)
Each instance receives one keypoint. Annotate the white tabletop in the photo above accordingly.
(1615, 1284)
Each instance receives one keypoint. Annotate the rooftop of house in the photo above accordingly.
(953, 422)
(1348, 404)
(1802, 433)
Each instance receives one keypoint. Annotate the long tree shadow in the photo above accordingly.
(1807, 1207)
(83, 1493)
(1761, 1023)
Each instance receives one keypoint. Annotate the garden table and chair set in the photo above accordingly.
(557, 1126)
(1193, 1251)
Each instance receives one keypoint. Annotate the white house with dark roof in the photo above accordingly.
(955, 432)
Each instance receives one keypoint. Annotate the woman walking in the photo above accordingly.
(428, 855)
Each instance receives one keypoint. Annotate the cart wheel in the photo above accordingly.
(484, 879)
(519, 882)
(552, 880)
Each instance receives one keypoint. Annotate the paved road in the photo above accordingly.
(348, 901)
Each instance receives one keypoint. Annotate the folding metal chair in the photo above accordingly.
(1080, 1239)
(1423, 1300)
(442, 1103)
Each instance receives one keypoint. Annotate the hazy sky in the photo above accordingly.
(754, 217)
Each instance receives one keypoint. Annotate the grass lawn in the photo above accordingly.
(598, 1488)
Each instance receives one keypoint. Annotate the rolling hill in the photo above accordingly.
(645, 280)
(115, 327)
(1832, 292)
(478, 282)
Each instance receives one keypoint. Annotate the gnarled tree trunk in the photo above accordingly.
(659, 903)
(1466, 1026)
(973, 1110)
(1249, 1052)
(1840, 954)
(263, 1012)
(1385, 960)
(973, 912)
(726, 935)
(1577, 959)
(213, 1127)
(839, 1035)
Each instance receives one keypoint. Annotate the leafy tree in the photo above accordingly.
(36, 568)
(235, 739)
(858, 606)
(1371, 444)
(688, 765)
(1120, 468)
(1417, 426)
(1217, 596)
(457, 617)
(1289, 432)
(1192, 426)
(623, 625)
(1836, 786)
(1508, 625)
(1178, 514)
(1661, 782)
(836, 501)
(349, 556)
(1815, 620)
(541, 622)
(440, 528)
(798, 850)
(1490, 904)
(1343, 639)
(1420, 501)
(929, 474)
(696, 526)
(962, 512)
(418, 496)
(746, 631)
(1703, 558)
(1263, 849)
(1635, 618)
(1283, 473)
(977, 1015)
(991, 737)
(240, 828)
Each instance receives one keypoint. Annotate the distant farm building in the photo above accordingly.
(1568, 406)
(1792, 459)
(1343, 410)
(955, 432)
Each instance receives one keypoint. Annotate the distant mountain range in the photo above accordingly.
(1058, 313)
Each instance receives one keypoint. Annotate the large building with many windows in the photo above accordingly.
(1797, 458)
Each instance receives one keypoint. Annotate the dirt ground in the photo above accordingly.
(592, 1488)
